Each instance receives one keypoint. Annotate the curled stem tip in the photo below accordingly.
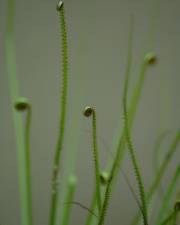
(88, 111)
(104, 177)
(150, 58)
(60, 5)
(22, 104)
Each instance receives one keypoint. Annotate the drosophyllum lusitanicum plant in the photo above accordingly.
(104, 181)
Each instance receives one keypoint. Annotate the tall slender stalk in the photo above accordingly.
(88, 112)
(128, 136)
(63, 107)
(149, 59)
(22, 144)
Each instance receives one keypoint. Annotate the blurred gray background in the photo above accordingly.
(97, 42)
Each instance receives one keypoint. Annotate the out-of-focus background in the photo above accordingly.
(97, 42)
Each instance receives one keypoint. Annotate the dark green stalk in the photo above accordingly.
(160, 173)
(24, 185)
(68, 199)
(88, 112)
(57, 159)
(168, 195)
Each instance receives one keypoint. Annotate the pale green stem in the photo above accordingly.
(68, 200)
(21, 150)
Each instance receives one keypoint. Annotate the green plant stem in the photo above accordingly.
(113, 170)
(17, 117)
(28, 162)
(160, 173)
(68, 199)
(121, 144)
(57, 159)
(128, 139)
(96, 160)
(168, 195)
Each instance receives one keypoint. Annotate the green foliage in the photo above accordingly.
(104, 181)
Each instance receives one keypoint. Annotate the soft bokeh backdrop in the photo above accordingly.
(97, 41)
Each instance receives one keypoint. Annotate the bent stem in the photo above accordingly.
(57, 159)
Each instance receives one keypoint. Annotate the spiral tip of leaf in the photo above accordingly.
(177, 206)
(104, 177)
(22, 104)
(150, 58)
(88, 111)
(59, 5)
